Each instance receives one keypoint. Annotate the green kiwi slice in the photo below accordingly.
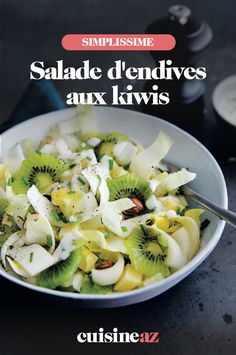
(41, 170)
(89, 287)
(132, 187)
(147, 251)
(107, 143)
(61, 272)
(6, 229)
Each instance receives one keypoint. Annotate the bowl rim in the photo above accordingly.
(172, 279)
(216, 102)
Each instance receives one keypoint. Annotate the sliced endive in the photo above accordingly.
(84, 121)
(173, 181)
(111, 216)
(42, 205)
(193, 231)
(175, 258)
(17, 204)
(19, 235)
(33, 258)
(14, 157)
(17, 268)
(39, 231)
(143, 164)
(110, 275)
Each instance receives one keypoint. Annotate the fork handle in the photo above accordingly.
(226, 215)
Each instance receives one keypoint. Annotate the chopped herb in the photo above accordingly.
(178, 210)
(25, 180)
(71, 192)
(71, 166)
(88, 158)
(31, 257)
(10, 181)
(204, 224)
(49, 240)
(144, 229)
(62, 217)
(124, 229)
(55, 215)
(38, 152)
(82, 180)
(111, 163)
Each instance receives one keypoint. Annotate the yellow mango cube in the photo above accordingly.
(128, 280)
(88, 260)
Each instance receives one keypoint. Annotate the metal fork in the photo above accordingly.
(228, 216)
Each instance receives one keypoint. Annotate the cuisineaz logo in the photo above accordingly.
(118, 337)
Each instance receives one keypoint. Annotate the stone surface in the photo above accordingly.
(199, 314)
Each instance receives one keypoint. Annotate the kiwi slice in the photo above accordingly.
(41, 170)
(132, 187)
(6, 229)
(107, 143)
(89, 287)
(61, 272)
(147, 251)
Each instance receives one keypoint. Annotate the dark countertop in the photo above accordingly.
(199, 314)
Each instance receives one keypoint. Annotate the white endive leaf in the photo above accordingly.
(182, 237)
(77, 281)
(17, 204)
(87, 118)
(64, 151)
(110, 275)
(144, 162)
(14, 157)
(41, 205)
(175, 257)
(173, 181)
(9, 242)
(96, 237)
(92, 179)
(68, 244)
(33, 258)
(116, 244)
(89, 202)
(89, 155)
(39, 231)
(104, 192)
(17, 268)
(124, 152)
(193, 231)
(111, 216)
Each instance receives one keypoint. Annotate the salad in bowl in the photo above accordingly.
(94, 213)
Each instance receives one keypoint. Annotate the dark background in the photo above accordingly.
(199, 314)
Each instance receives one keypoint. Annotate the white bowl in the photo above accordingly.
(187, 152)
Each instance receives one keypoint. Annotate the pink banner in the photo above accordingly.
(118, 42)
